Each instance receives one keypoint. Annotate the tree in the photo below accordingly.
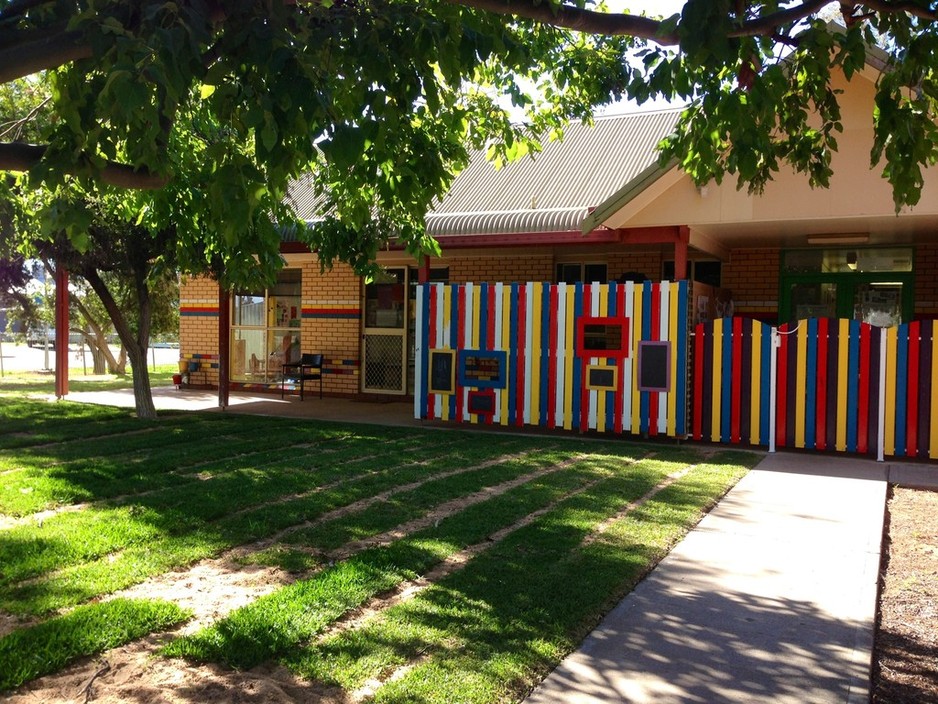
(124, 265)
(191, 117)
(15, 275)
(91, 319)
(126, 269)
(215, 106)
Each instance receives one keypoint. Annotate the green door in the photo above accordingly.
(874, 285)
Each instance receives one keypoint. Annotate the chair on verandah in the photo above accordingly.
(308, 368)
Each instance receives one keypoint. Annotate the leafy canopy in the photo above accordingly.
(194, 115)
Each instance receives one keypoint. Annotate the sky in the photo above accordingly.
(665, 8)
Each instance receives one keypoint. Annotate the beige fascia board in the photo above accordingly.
(625, 195)
(708, 245)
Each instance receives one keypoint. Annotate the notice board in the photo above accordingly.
(654, 365)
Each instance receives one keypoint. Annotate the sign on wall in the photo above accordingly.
(442, 371)
(654, 365)
(482, 369)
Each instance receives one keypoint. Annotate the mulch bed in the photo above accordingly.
(905, 656)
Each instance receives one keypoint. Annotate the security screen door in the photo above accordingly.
(384, 343)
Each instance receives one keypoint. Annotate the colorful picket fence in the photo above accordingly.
(911, 390)
(555, 355)
(835, 385)
(730, 388)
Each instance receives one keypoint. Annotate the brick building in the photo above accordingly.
(596, 207)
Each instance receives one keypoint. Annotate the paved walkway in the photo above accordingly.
(772, 597)
(385, 412)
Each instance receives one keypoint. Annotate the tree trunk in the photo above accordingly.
(120, 366)
(98, 362)
(135, 345)
(104, 361)
(143, 395)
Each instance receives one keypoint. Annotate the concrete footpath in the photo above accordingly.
(772, 598)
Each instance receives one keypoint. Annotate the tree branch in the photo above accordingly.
(18, 125)
(576, 19)
(50, 51)
(603, 23)
(767, 24)
(17, 156)
(17, 8)
(895, 7)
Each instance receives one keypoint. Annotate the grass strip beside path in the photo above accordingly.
(278, 623)
(141, 541)
(28, 422)
(108, 468)
(489, 632)
(31, 652)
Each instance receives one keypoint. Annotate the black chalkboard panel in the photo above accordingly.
(601, 377)
(654, 366)
(442, 371)
(482, 402)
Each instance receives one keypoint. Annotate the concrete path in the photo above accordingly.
(772, 598)
(168, 398)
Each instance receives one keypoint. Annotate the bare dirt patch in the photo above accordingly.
(905, 657)
(134, 673)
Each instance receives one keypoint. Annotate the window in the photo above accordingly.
(705, 271)
(578, 272)
(265, 329)
(871, 284)
(602, 337)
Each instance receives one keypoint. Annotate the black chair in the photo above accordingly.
(309, 368)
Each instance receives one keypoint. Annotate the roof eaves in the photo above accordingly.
(625, 195)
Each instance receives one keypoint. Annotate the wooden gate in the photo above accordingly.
(820, 384)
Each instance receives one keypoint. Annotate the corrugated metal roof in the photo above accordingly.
(553, 191)
(306, 204)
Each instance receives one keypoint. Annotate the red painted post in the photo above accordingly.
(61, 332)
(423, 272)
(680, 253)
(224, 344)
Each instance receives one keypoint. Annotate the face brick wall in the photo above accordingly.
(647, 262)
(198, 324)
(332, 324)
(507, 267)
(752, 277)
(926, 281)
(518, 266)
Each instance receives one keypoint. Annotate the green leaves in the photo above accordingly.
(384, 100)
(703, 31)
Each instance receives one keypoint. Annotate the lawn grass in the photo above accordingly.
(491, 631)
(164, 494)
(96, 552)
(47, 647)
(276, 624)
(22, 382)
